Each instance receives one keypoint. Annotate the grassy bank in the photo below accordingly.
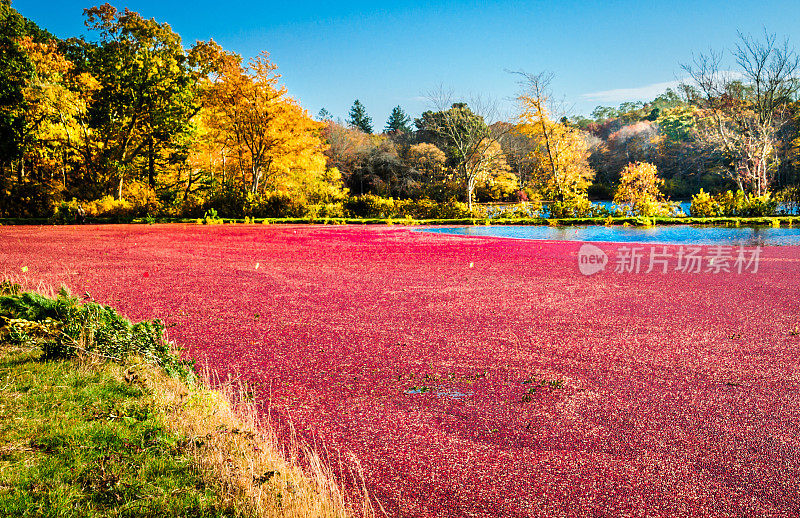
(775, 221)
(92, 424)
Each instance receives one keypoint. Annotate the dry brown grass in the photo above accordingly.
(234, 447)
(27, 284)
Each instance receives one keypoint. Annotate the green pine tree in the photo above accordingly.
(398, 121)
(359, 119)
(324, 115)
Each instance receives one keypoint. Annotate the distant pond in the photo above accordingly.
(701, 235)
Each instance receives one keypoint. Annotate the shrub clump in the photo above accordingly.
(576, 207)
(63, 327)
(639, 192)
(372, 206)
(732, 204)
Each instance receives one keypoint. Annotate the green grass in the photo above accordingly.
(79, 440)
(718, 221)
(100, 417)
(726, 221)
(688, 220)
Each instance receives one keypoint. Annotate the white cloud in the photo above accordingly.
(651, 91)
(641, 93)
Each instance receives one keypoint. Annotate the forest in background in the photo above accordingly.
(130, 122)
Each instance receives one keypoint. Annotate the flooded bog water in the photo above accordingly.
(747, 236)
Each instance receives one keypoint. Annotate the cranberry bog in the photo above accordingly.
(473, 376)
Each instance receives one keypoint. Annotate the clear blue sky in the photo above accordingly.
(330, 54)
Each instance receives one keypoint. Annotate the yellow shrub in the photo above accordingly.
(108, 206)
(704, 206)
(639, 191)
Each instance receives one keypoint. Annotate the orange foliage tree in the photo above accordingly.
(250, 119)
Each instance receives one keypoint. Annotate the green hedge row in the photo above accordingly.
(725, 221)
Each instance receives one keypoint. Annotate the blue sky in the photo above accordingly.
(394, 54)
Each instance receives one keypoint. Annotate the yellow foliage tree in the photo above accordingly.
(639, 191)
(560, 152)
(252, 121)
(496, 181)
(428, 159)
(56, 101)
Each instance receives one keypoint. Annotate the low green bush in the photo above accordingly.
(371, 206)
(210, 218)
(732, 204)
(517, 211)
(704, 206)
(236, 204)
(577, 207)
(63, 326)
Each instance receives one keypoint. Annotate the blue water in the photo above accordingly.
(747, 236)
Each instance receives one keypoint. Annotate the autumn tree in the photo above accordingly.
(55, 100)
(639, 191)
(386, 173)
(146, 96)
(742, 114)
(29, 87)
(359, 119)
(518, 151)
(559, 150)
(15, 69)
(469, 142)
(497, 181)
(428, 159)
(398, 121)
(266, 132)
(683, 160)
(345, 149)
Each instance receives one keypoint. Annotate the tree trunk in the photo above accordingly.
(223, 168)
(151, 163)
(64, 168)
(550, 157)
(256, 178)
(470, 189)
(188, 186)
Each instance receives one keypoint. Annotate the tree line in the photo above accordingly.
(132, 121)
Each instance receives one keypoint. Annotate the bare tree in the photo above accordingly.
(469, 134)
(743, 111)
